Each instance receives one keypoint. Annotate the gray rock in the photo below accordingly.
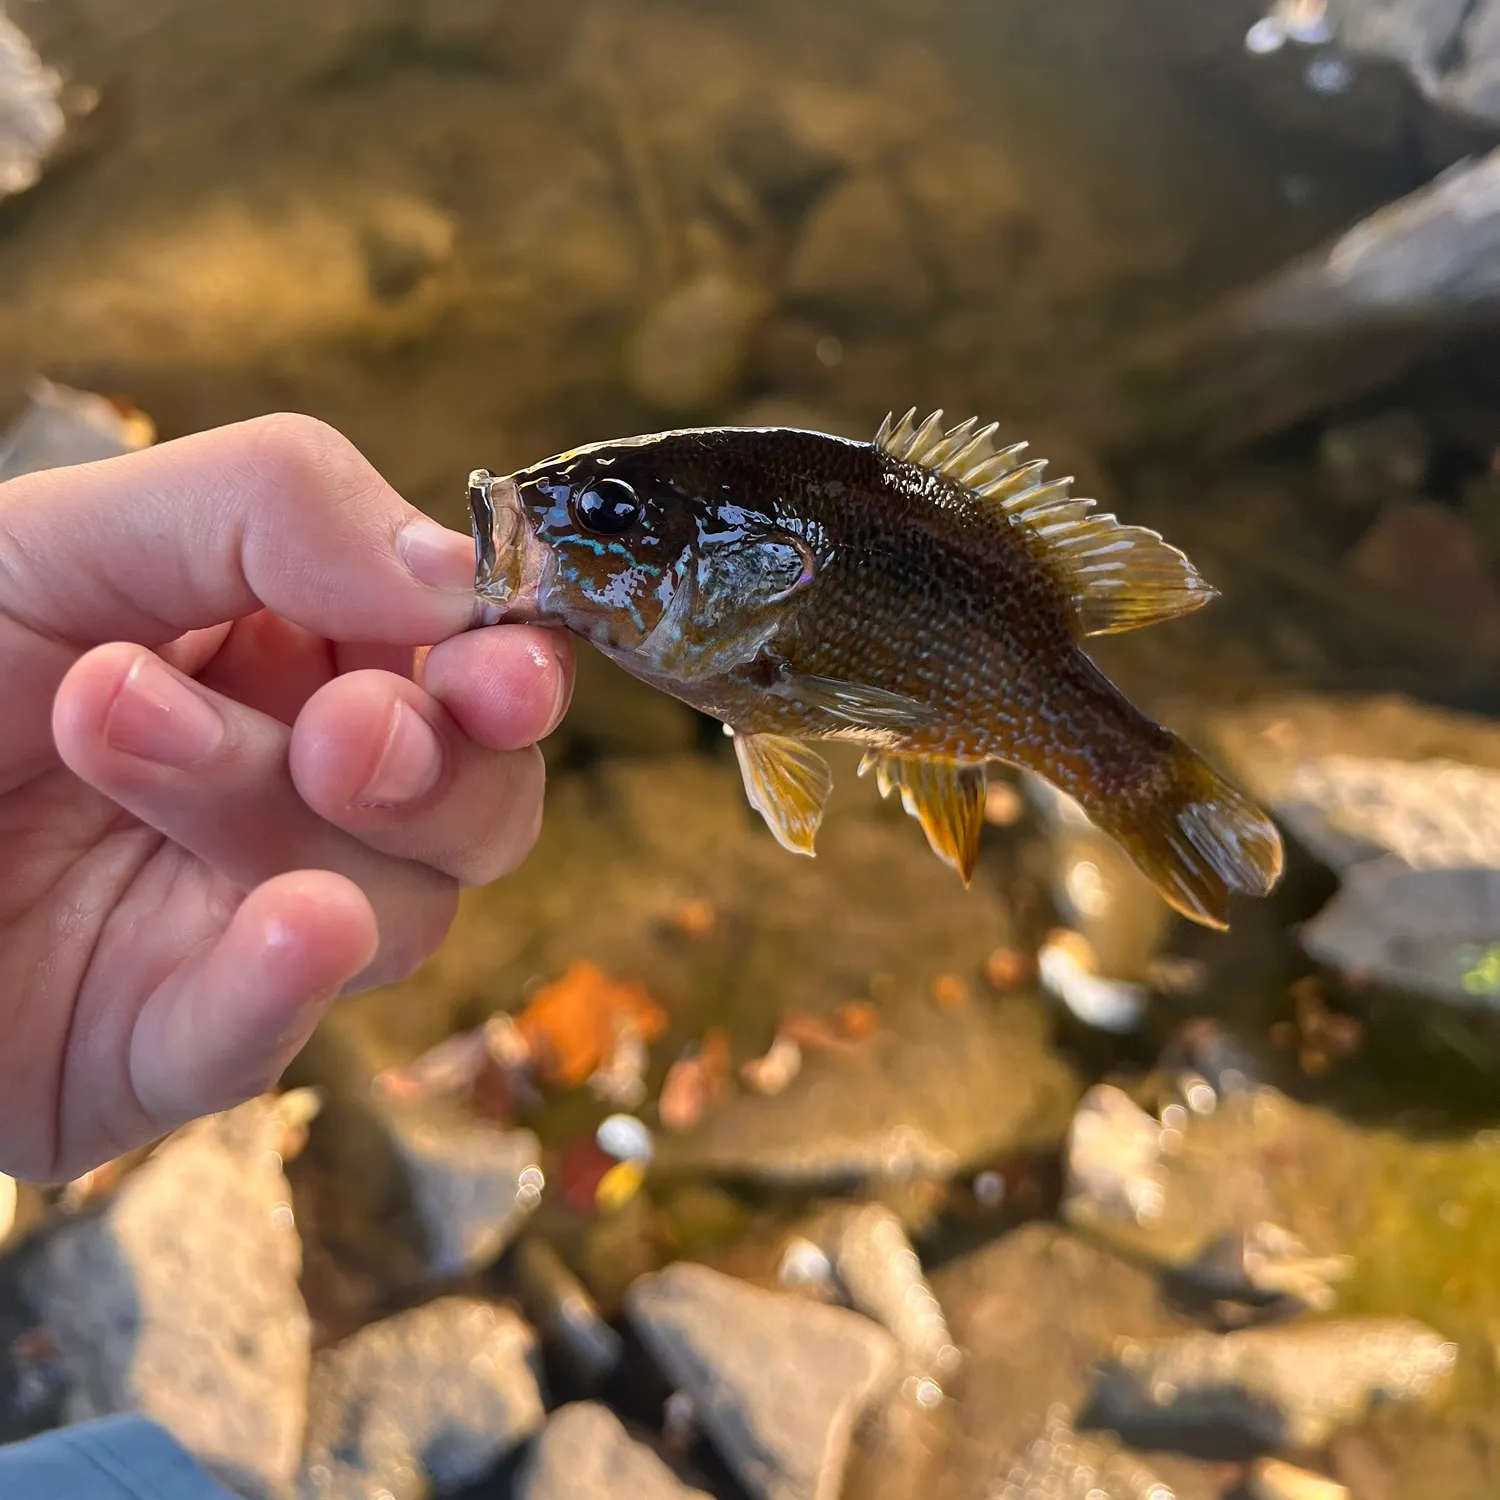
(1428, 932)
(60, 426)
(1288, 1387)
(180, 1300)
(584, 1450)
(32, 121)
(689, 352)
(1357, 778)
(472, 1185)
(431, 1398)
(777, 1381)
(1034, 1312)
(856, 251)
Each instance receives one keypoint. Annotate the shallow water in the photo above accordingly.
(476, 233)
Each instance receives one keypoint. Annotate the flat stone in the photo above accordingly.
(429, 1399)
(584, 1450)
(778, 1381)
(179, 1300)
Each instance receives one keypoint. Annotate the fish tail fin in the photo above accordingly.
(1196, 837)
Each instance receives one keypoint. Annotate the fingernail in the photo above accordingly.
(409, 764)
(156, 716)
(437, 557)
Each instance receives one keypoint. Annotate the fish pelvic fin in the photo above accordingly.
(1197, 838)
(944, 796)
(1116, 577)
(788, 784)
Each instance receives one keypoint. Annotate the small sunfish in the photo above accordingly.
(925, 595)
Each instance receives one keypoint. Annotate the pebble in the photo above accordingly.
(1288, 1387)
(179, 1299)
(1114, 1160)
(585, 1451)
(1067, 967)
(434, 1397)
(778, 1381)
(625, 1138)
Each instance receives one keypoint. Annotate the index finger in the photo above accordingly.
(280, 512)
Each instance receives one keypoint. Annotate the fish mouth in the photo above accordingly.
(513, 566)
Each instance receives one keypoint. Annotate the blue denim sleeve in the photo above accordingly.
(116, 1458)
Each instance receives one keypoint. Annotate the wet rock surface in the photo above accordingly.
(778, 1382)
(179, 1300)
(1288, 1388)
(584, 1449)
(428, 1400)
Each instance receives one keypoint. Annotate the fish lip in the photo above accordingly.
(513, 567)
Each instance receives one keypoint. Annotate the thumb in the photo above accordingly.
(280, 512)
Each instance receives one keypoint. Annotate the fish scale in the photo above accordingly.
(925, 595)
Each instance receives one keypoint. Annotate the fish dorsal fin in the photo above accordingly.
(1117, 577)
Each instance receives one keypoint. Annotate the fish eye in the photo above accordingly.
(608, 506)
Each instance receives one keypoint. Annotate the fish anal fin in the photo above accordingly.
(1197, 838)
(788, 784)
(1116, 577)
(945, 796)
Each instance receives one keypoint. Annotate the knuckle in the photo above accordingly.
(301, 453)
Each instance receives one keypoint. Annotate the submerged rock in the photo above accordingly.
(856, 251)
(1200, 1193)
(179, 1300)
(1287, 1387)
(32, 121)
(777, 1381)
(688, 353)
(1428, 932)
(428, 1399)
(585, 1451)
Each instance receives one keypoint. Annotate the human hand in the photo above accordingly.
(232, 785)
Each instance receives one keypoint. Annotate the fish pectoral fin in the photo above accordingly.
(945, 796)
(854, 702)
(1116, 577)
(788, 784)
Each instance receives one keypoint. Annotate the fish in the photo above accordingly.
(926, 596)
